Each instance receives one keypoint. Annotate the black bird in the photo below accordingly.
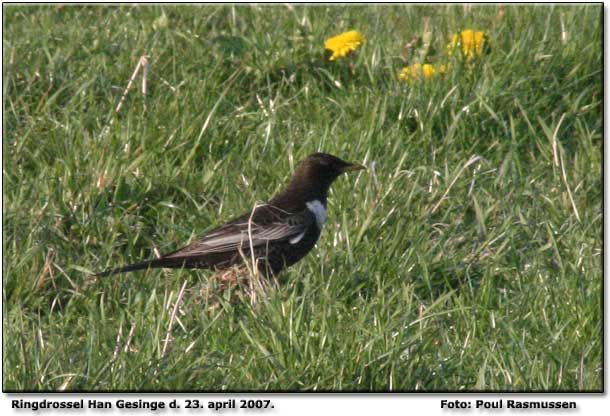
(273, 236)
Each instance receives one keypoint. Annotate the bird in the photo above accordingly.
(270, 237)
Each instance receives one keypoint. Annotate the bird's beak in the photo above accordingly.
(353, 166)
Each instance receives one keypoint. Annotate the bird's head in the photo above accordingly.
(324, 167)
(318, 171)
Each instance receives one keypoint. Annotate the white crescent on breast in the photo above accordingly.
(319, 212)
(317, 208)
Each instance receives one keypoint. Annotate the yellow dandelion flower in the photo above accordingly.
(418, 71)
(444, 68)
(428, 70)
(471, 42)
(407, 73)
(343, 44)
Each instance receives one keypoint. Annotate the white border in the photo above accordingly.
(352, 404)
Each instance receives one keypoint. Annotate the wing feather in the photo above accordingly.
(267, 225)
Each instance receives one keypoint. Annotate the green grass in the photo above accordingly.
(498, 288)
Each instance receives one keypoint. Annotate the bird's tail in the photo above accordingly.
(148, 264)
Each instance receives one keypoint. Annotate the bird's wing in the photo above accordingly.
(266, 225)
